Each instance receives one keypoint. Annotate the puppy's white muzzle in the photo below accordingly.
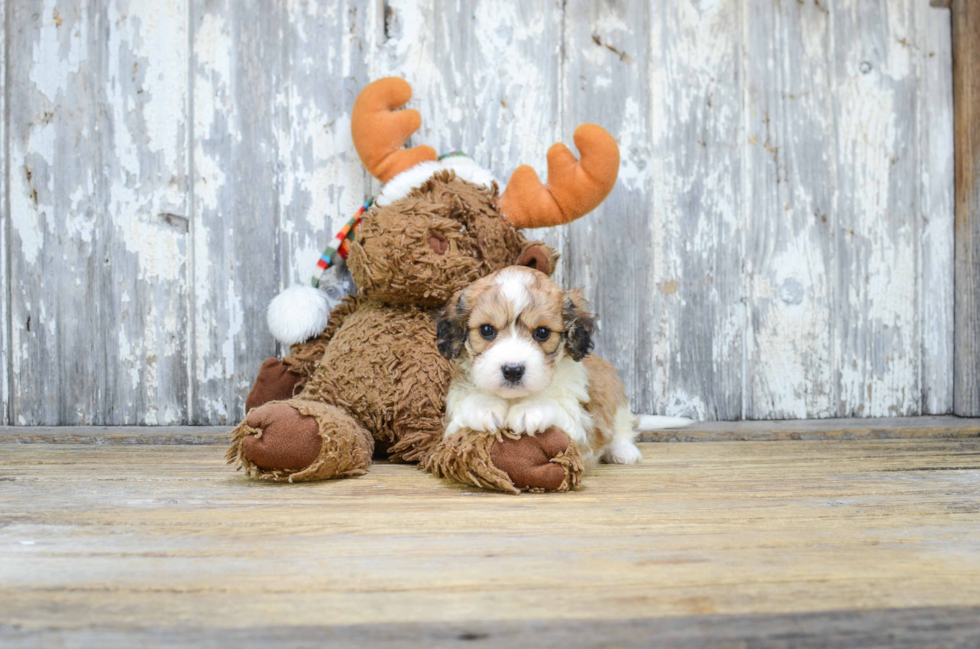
(512, 368)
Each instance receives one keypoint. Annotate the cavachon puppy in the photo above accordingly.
(523, 348)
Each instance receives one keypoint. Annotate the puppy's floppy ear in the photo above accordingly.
(578, 325)
(538, 256)
(451, 326)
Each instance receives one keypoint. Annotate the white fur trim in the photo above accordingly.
(401, 185)
(653, 422)
(468, 170)
(297, 314)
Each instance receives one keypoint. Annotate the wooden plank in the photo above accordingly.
(5, 287)
(236, 72)
(878, 349)
(966, 106)
(610, 253)
(57, 196)
(117, 539)
(321, 180)
(98, 254)
(486, 81)
(144, 166)
(933, 55)
(790, 188)
(697, 222)
(950, 626)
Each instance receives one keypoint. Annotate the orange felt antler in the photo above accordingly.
(380, 132)
(574, 188)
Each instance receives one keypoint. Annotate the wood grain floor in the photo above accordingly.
(816, 543)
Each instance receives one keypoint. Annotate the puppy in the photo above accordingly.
(522, 347)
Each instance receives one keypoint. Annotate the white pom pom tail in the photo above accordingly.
(298, 314)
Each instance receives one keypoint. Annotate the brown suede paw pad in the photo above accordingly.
(547, 461)
(287, 440)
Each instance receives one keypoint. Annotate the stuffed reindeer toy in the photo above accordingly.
(369, 380)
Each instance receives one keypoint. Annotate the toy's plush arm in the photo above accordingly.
(548, 461)
(304, 357)
(280, 380)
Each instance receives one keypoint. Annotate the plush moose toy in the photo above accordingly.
(373, 383)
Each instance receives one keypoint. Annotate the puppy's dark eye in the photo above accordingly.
(488, 332)
(541, 334)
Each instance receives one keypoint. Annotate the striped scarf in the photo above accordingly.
(339, 246)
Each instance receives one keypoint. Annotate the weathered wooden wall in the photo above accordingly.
(779, 245)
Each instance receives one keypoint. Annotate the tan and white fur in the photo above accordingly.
(523, 362)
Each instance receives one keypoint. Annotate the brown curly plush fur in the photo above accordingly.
(549, 461)
(382, 366)
(375, 375)
(465, 457)
(392, 261)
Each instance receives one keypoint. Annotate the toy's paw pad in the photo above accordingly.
(274, 383)
(527, 460)
(288, 440)
(531, 417)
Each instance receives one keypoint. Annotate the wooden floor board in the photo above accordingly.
(892, 628)
(163, 544)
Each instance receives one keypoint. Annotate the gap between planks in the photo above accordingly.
(709, 431)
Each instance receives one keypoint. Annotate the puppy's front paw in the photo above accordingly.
(532, 417)
(486, 417)
(621, 451)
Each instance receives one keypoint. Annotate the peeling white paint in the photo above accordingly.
(59, 51)
(26, 221)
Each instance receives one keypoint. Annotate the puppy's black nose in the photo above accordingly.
(512, 373)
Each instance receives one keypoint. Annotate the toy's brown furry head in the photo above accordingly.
(444, 235)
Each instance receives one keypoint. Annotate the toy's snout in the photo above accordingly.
(438, 242)
(413, 256)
